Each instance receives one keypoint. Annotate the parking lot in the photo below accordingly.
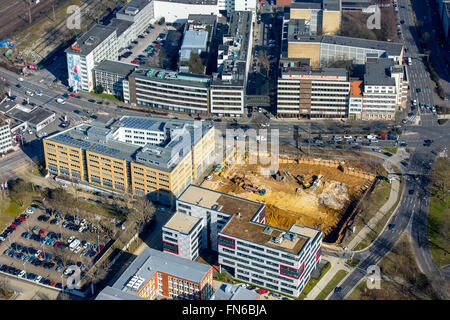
(43, 243)
(136, 52)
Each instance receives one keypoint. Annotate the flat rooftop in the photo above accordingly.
(391, 48)
(378, 72)
(326, 72)
(172, 77)
(134, 5)
(151, 261)
(332, 5)
(233, 292)
(117, 67)
(5, 106)
(206, 19)
(99, 138)
(91, 39)
(240, 225)
(195, 39)
(197, 2)
(31, 115)
(182, 222)
(120, 25)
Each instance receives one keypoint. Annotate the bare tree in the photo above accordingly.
(141, 213)
(264, 60)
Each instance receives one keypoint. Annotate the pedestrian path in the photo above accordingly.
(336, 265)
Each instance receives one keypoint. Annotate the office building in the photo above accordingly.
(184, 235)
(229, 85)
(195, 41)
(250, 250)
(179, 10)
(25, 116)
(144, 156)
(383, 89)
(299, 42)
(155, 275)
(323, 16)
(140, 14)
(96, 45)
(170, 90)
(111, 75)
(312, 92)
(5, 135)
(230, 6)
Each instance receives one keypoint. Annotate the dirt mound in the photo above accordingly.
(334, 196)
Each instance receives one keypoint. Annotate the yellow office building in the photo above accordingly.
(145, 156)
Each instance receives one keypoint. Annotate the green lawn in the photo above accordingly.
(105, 96)
(373, 234)
(371, 206)
(389, 149)
(8, 211)
(438, 221)
(312, 282)
(332, 284)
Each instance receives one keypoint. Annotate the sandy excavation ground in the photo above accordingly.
(287, 202)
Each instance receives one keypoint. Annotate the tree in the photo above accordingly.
(4, 85)
(99, 89)
(141, 213)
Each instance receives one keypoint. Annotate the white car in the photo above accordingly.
(208, 178)
(71, 239)
(22, 274)
(30, 132)
(348, 137)
(37, 253)
(30, 210)
(38, 278)
(83, 222)
(81, 229)
(38, 93)
(77, 249)
(371, 137)
(29, 93)
(61, 101)
(20, 79)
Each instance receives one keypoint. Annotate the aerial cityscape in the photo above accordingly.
(249, 151)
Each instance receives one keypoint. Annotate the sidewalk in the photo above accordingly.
(393, 195)
(336, 265)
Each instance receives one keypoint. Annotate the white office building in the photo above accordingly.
(230, 6)
(250, 250)
(5, 135)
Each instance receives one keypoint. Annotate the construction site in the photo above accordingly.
(309, 191)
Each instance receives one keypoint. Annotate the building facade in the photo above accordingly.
(170, 90)
(281, 260)
(155, 274)
(110, 75)
(144, 156)
(313, 92)
(5, 135)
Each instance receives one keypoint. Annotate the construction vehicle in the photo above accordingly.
(303, 182)
(248, 187)
(237, 180)
(316, 182)
(246, 159)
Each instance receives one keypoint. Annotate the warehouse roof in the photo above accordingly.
(33, 116)
(195, 39)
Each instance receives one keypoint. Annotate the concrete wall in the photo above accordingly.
(310, 51)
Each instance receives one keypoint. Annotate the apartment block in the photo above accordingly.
(154, 275)
(5, 135)
(281, 260)
(169, 90)
(312, 92)
(144, 156)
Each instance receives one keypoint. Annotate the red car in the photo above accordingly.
(134, 62)
(42, 231)
(157, 45)
(262, 291)
(100, 248)
(52, 283)
(57, 243)
(14, 226)
(382, 135)
(72, 95)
